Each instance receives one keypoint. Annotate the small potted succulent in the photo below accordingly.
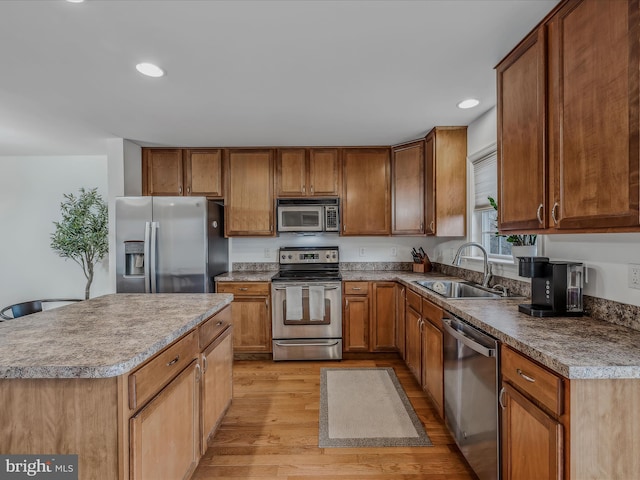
(521, 245)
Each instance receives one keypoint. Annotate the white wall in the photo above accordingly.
(30, 197)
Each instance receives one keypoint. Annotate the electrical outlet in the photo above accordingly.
(267, 253)
(634, 276)
(362, 252)
(394, 252)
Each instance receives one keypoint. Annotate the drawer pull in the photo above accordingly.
(174, 361)
(525, 376)
(502, 390)
(243, 289)
(219, 323)
(356, 288)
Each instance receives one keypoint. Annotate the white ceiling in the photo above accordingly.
(247, 72)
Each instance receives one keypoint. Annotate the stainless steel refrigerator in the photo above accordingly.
(169, 244)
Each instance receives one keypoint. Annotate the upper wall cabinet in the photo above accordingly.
(446, 181)
(521, 133)
(174, 171)
(407, 188)
(591, 67)
(366, 191)
(302, 172)
(249, 205)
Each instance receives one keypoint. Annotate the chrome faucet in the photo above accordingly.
(487, 267)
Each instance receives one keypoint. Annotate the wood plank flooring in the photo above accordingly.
(271, 432)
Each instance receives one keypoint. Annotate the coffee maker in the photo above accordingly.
(556, 287)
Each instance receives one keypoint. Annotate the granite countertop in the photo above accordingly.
(574, 347)
(102, 337)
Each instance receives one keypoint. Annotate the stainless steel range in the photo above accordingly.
(307, 301)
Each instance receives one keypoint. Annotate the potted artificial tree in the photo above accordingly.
(521, 245)
(82, 234)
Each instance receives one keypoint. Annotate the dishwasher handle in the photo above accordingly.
(468, 341)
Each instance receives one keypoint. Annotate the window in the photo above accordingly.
(485, 218)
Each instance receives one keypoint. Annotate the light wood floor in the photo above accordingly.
(271, 432)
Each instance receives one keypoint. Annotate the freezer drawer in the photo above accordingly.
(308, 349)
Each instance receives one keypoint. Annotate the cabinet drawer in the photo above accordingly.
(157, 372)
(433, 313)
(243, 288)
(212, 327)
(532, 379)
(356, 288)
(414, 300)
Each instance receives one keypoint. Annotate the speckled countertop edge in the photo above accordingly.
(102, 337)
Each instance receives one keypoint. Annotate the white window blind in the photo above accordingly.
(485, 174)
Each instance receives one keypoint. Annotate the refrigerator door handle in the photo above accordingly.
(147, 257)
(154, 251)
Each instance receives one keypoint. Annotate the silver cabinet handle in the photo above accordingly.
(311, 189)
(304, 189)
(198, 372)
(219, 323)
(174, 361)
(344, 228)
(502, 391)
(539, 214)
(432, 227)
(189, 190)
(356, 288)
(204, 364)
(421, 225)
(346, 303)
(180, 189)
(243, 289)
(553, 213)
(266, 303)
(525, 376)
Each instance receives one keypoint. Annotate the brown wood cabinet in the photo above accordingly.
(355, 325)
(165, 435)
(302, 172)
(446, 181)
(407, 187)
(433, 354)
(366, 191)
(413, 343)
(571, 90)
(383, 317)
(522, 168)
(531, 402)
(251, 315)
(249, 206)
(176, 172)
(400, 319)
(217, 376)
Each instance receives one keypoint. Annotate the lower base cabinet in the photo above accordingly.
(165, 434)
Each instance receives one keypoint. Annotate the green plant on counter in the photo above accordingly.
(82, 234)
(515, 240)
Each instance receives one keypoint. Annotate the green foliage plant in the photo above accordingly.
(82, 234)
(515, 240)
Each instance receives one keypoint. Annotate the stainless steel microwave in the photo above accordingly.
(308, 215)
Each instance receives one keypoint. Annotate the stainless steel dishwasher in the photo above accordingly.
(471, 395)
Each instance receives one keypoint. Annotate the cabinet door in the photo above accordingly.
(324, 172)
(165, 434)
(249, 207)
(366, 191)
(531, 440)
(407, 185)
(355, 323)
(450, 167)
(162, 171)
(430, 183)
(251, 324)
(400, 322)
(522, 161)
(383, 318)
(291, 172)
(433, 365)
(217, 383)
(203, 172)
(594, 107)
(413, 342)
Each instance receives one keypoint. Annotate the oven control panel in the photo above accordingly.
(294, 255)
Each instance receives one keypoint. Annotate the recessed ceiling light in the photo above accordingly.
(468, 103)
(150, 70)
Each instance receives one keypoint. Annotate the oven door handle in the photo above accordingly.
(304, 287)
(315, 344)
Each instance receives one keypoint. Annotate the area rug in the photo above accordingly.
(366, 407)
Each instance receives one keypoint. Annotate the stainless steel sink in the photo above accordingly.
(454, 289)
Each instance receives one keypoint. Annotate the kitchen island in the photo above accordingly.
(87, 378)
